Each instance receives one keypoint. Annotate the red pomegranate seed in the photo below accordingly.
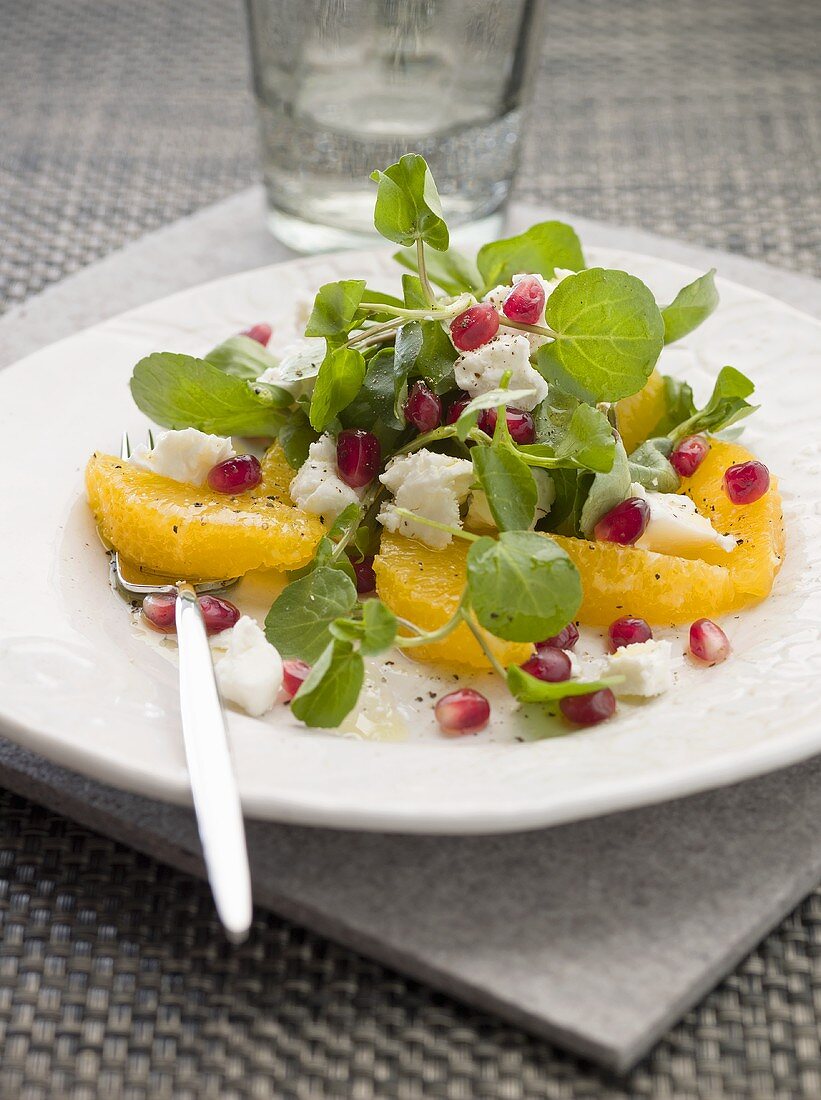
(358, 457)
(218, 614)
(235, 475)
(624, 524)
(589, 710)
(747, 482)
(519, 424)
(423, 408)
(294, 674)
(261, 333)
(365, 576)
(159, 612)
(708, 642)
(474, 327)
(565, 639)
(628, 631)
(549, 664)
(456, 408)
(689, 455)
(525, 302)
(463, 711)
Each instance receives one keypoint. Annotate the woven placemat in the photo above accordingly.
(113, 977)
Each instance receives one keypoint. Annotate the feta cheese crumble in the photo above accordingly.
(430, 485)
(647, 668)
(298, 366)
(481, 370)
(185, 455)
(250, 673)
(317, 487)
(676, 526)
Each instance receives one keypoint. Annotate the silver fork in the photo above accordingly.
(213, 785)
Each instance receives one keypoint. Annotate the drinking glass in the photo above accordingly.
(346, 86)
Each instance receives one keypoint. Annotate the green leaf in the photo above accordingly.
(178, 391)
(375, 631)
(523, 587)
(508, 484)
(693, 304)
(528, 689)
(337, 384)
(650, 467)
(450, 270)
(335, 308)
(678, 401)
(538, 251)
(609, 335)
(412, 292)
(606, 492)
(435, 359)
(374, 406)
(727, 405)
(332, 689)
(571, 488)
(324, 558)
(581, 439)
(242, 357)
(300, 616)
(295, 437)
(408, 207)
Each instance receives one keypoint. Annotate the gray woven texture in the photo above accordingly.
(698, 120)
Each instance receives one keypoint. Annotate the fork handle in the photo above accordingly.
(213, 786)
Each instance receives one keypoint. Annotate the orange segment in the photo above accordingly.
(425, 586)
(638, 414)
(185, 531)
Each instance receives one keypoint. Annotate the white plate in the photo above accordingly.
(79, 684)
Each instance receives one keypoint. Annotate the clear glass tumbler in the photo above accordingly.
(346, 86)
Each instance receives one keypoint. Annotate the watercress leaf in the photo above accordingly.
(589, 441)
(323, 557)
(678, 403)
(727, 405)
(452, 271)
(335, 308)
(337, 384)
(298, 621)
(508, 485)
(345, 523)
(609, 335)
(650, 467)
(332, 689)
(606, 491)
(380, 627)
(413, 293)
(436, 357)
(522, 587)
(528, 689)
(178, 391)
(538, 251)
(374, 406)
(693, 304)
(295, 437)
(571, 488)
(242, 357)
(408, 207)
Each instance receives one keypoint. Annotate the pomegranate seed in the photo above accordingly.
(474, 327)
(294, 674)
(549, 664)
(628, 631)
(358, 457)
(747, 482)
(525, 302)
(423, 408)
(159, 611)
(589, 710)
(261, 333)
(365, 576)
(235, 475)
(565, 639)
(463, 711)
(708, 642)
(624, 524)
(689, 455)
(519, 424)
(457, 408)
(218, 614)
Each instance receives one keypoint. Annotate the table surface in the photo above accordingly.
(695, 120)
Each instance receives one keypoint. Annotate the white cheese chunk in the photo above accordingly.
(317, 487)
(298, 366)
(482, 370)
(676, 526)
(250, 673)
(647, 668)
(431, 486)
(185, 455)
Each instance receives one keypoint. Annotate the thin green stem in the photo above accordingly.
(457, 532)
(367, 335)
(478, 635)
(537, 330)
(427, 289)
(431, 636)
(441, 313)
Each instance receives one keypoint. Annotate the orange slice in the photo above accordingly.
(638, 414)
